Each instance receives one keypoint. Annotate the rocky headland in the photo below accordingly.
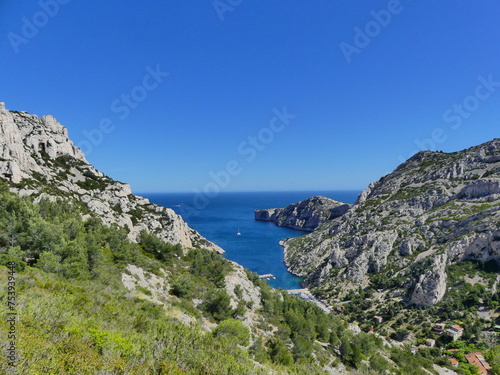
(305, 215)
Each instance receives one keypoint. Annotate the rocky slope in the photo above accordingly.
(39, 160)
(304, 215)
(434, 210)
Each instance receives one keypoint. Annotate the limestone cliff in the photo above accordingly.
(304, 215)
(434, 210)
(38, 159)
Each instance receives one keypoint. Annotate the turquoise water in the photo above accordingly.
(257, 247)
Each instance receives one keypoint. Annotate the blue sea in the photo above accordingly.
(257, 247)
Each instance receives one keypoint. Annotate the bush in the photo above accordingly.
(279, 352)
(234, 331)
(217, 305)
(493, 358)
(159, 249)
(183, 287)
(49, 262)
(210, 265)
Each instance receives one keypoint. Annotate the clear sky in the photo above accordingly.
(255, 94)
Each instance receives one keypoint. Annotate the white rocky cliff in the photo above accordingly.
(304, 215)
(38, 159)
(434, 210)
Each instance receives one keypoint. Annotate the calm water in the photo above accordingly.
(257, 247)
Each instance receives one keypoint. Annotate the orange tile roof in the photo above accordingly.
(477, 359)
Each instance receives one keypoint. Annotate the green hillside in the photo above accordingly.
(75, 315)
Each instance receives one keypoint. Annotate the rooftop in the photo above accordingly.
(477, 359)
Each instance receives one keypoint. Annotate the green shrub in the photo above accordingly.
(234, 331)
(161, 250)
(279, 353)
(217, 305)
(49, 262)
(183, 287)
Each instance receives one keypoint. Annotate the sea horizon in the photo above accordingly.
(253, 191)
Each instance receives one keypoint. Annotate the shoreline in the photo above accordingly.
(307, 295)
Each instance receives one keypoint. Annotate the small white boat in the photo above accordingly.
(239, 233)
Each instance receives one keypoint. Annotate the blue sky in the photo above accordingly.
(181, 95)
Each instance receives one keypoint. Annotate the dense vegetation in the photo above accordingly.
(468, 303)
(471, 284)
(76, 315)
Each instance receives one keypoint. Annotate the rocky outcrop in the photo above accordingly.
(431, 285)
(240, 289)
(136, 277)
(237, 279)
(38, 159)
(23, 137)
(434, 210)
(305, 215)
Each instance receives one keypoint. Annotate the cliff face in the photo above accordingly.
(39, 160)
(434, 210)
(304, 215)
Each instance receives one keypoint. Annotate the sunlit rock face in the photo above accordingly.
(434, 210)
(39, 159)
(305, 215)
